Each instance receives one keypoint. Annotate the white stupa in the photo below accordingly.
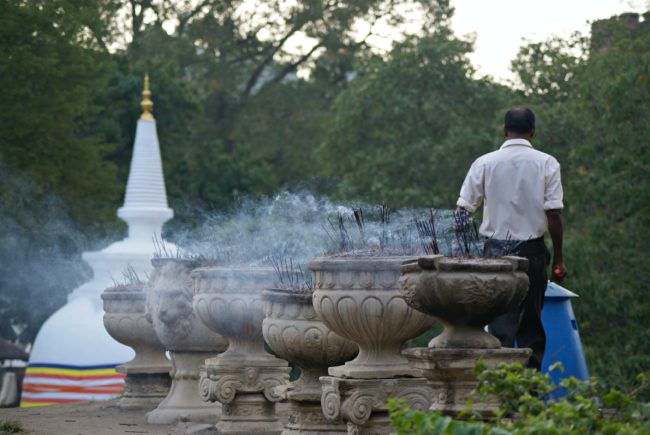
(73, 357)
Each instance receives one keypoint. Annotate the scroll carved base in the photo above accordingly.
(144, 389)
(361, 403)
(451, 375)
(183, 403)
(247, 397)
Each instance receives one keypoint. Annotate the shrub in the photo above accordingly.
(532, 404)
(10, 427)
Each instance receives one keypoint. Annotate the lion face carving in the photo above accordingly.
(173, 313)
(170, 303)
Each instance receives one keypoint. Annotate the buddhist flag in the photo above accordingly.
(52, 384)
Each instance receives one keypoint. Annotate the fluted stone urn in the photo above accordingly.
(294, 331)
(464, 294)
(244, 377)
(190, 343)
(359, 299)
(147, 374)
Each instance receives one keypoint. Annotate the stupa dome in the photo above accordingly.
(73, 357)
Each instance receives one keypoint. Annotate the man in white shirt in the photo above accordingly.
(521, 192)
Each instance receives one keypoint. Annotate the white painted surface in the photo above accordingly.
(75, 335)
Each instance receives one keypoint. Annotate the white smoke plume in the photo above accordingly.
(300, 226)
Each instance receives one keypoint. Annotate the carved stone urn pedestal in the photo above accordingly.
(451, 375)
(464, 295)
(294, 331)
(359, 299)
(361, 403)
(147, 378)
(189, 342)
(244, 377)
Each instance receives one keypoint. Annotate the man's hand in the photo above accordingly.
(559, 273)
(556, 230)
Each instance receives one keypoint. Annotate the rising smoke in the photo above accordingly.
(40, 256)
(300, 226)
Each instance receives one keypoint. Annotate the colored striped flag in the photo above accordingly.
(52, 384)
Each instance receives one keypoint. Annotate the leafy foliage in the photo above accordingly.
(47, 82)
(595, 113)
(527, 407)
(10, 427)
(401, 132)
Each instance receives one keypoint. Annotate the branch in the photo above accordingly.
(246, 41)
(252, 81)
(99, 40)
(137, 19)
(97, 37)
(184, 19)
(292, 66)
(246, 57)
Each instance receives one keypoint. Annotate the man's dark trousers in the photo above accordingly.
(524, 326)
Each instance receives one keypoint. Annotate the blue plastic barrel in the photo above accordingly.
(562, 337)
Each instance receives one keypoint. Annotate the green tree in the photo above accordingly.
(408, 128)
(594, 103)
(55, 182)
(612, 201)
(249, 86)
(48, 80)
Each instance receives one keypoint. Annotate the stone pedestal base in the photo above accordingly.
(307, 418)
(451, 374)
(247, 395)
(183, 403)
(305, 415)
(144, 387)
(361, 403)
(249, 413)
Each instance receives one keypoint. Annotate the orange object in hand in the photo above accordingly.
(559, 272)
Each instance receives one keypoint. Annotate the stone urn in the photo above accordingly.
(359, 299)
(294, 331)
(244, 377)
(190, 343)
(147, 374)
(464, 295)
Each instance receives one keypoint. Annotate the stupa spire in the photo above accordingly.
(146, 103)
(145, 202)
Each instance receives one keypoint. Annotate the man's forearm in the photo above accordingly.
(556, 230)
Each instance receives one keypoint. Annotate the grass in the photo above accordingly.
(11, 427)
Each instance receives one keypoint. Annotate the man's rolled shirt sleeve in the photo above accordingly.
(471, 193)
(553, 193)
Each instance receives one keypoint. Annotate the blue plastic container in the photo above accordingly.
(562, 337)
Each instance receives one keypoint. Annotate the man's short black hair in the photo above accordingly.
(520, 120)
